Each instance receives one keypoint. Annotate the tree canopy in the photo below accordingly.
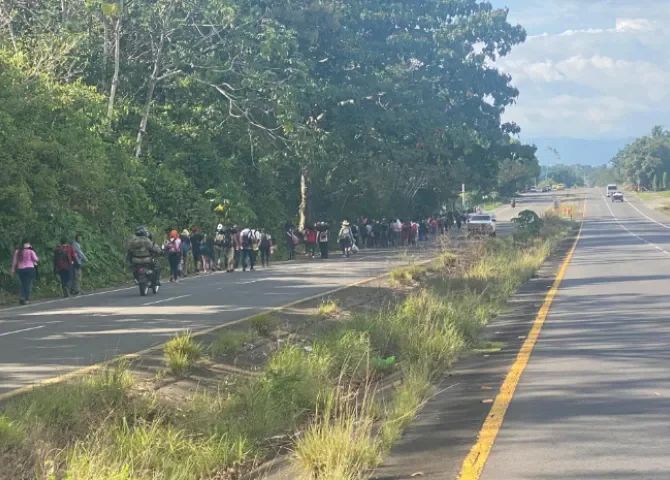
(125, 112)
(645, 159)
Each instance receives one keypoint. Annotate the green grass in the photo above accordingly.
(340, 443)
(229, 342)
(653, 195)
(181, 353)
(94, 429)
(264, 323)
(407, 274)
(327, 308)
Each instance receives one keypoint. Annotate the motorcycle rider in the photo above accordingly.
(142, 251)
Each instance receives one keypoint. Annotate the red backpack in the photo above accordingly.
(63, 259)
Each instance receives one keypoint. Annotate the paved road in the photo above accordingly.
(48, 339)
(594, 401)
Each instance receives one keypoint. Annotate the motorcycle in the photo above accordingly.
(146, 277)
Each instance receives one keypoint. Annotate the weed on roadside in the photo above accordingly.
(264, 324)
(229, 342)
(181, 353)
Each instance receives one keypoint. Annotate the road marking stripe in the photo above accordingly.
(645, 216)
(474, 463)
(166, 300)
(22, 330)
(660, 249)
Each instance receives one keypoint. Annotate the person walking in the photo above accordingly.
(310, 241)
(291, 240)
(174, 251)
(219, 247)
(237, 246)
(265, 247)
(64, 256)
(79, 260)
(185, 238)
(323, 239)
(247, 249)
(345, 238)
(24, 264)
(196, 243)
(228, 250)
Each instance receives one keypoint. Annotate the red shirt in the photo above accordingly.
(63, 261)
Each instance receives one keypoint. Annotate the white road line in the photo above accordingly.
(22, 330)
(631, 233)
(165, 300)
(648, 218)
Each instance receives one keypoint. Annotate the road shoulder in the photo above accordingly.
(443, 434)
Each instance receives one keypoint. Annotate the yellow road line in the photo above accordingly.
(474, 463)
(136, 355)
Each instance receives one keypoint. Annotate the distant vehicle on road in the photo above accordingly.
(611, 189)
(617, 197)
(546, 189)
(481, 225)
(560, 186)
(533, 190)
(554, 187)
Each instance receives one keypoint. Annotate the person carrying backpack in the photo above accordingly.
(265, 246)
(175, 255)
(246, 239)
(64, 256)
(219, 248)
(310, 241)
(345, 238)
(322, 238)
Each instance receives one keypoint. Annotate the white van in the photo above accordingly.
(611, 189)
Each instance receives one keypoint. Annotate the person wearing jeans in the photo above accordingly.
(79, 259)
(24, 264)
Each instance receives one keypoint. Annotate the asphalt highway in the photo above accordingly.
(48, 339)
(594, 400)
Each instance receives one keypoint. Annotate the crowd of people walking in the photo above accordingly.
(228, 248)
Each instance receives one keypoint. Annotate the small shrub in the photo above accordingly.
(327, 308)
(229, 342)
(11, 434)
(181, 353)
(408, 274)
(340, 443)
(264, 323)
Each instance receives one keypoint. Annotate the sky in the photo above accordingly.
(593, 70)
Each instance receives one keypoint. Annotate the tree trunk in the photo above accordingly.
(117, 63)
(105, 47)
(303, 211)
(153, 79)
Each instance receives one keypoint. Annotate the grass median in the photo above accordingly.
(338, 404)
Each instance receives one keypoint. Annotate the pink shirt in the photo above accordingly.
(29, 260)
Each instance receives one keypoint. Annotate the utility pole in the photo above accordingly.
(463, 194)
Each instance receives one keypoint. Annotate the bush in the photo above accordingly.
(264, 323)
(181, 353)
(229, 342)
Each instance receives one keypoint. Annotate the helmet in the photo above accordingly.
(141, 231)
(219, 227)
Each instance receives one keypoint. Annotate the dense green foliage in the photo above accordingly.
(646, 161)
(154, 112)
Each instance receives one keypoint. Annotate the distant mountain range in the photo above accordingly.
(580, 151)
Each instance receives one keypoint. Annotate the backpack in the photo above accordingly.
(345, 233)
(323, 236)
(227, 240)
(62, 259)
(172, 247)
(265, 241)
(246, 240)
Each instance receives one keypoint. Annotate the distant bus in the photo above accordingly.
(611, 188)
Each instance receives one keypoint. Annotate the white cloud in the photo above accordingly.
(601, 79)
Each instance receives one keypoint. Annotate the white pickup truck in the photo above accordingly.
(481, 224)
